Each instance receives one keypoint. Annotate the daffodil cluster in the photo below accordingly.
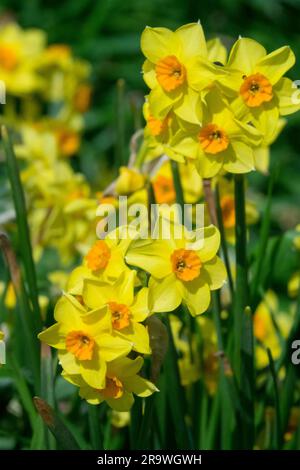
(46, 91)
(221, 111)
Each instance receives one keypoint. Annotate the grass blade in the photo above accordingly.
(277, 434)
(23, 229)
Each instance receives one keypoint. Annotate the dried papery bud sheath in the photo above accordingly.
(63, 436)
(11, 261)
(159, 344)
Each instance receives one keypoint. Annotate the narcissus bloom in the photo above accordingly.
(19, 53)
(121, 383)
(221, 143)
(267, 315)
(125, 311)
(176, 70)
(104, 260)
(180, 270)
(259, 91)
(83, 340)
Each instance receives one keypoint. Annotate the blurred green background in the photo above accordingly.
(107, 33)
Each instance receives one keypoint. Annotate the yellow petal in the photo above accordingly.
(217, 52)
(124, 403)
(112, 347)
(186, 145)
(244, 55)
(274, 65)
(55, 336)
(209, 166)
(192, 38)
(94, 372)
(152, 256)
(196, 296)
(68, 362)
(164, 294)
(91, 395)
(125, 367)
(262, 159)
(189, 108)
(211, 242)
(215, 272)
(140, 308)
(138, 336)
(241, 160)
(288, 95)
(68, 310)
(161, 103)
(149, 74)
(157, 43)
(140, 386)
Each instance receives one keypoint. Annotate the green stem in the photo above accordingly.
(264, 238)
(223, 243)
(241, 297)
(176, 398)
(243, 329)
(94, 427)
(177, 184)
(277, 435)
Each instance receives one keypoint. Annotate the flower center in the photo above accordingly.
(164, 190)
(98, 256)
(228, 211)
(156, 126)
(255, 90)
(80, 344)
(170, 73)
(8, 57)
(113, 388)
(120, 315)
(186, 264)
(213, 139)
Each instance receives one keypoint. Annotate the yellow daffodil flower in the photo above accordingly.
(265, 331)
(257, 86)
(121, 383)
(83, 340)
(19, 54)
(179, 272)
(176, 70)
(104, 261)
(125, 310)
(221, 143)
(129, 181)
